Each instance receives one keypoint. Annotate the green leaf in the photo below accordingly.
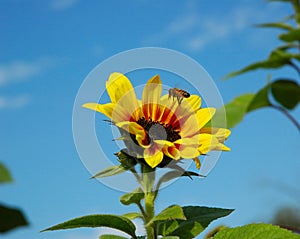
(280, 25)
(99, 220)
(286, 92)
(297, 18)
(287, 46)
(108, 236)
(197, 219)
(172, 212)
(281, 1)
(170, 237)
(134, 197)
(11, 218)
(132, 215)
(110, 171)
(256, 231)
(260, 100)
(292, 35)
(277, 59)
(235, 111)
(5, 176)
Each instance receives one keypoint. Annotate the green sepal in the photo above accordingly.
(197, 219)
(99, 220)
(256, 231)
(126, 160)
(134, 197)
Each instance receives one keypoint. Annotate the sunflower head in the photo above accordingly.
(159, 129)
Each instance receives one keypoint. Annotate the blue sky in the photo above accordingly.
(48, 48)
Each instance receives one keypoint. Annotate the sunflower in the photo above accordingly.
(159, 126)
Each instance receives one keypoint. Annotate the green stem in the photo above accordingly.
(292, 64)
(296, 6)
(290, 117)
(142, 209)
(136, 175)
(148, 176)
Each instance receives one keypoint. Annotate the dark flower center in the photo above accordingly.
(157, 130)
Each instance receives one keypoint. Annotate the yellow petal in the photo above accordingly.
(204, 115)
(175, 114)
(117, 86)
(151, 97)
(137, 130)
(106, 109)
(219, 147)
(188, 152)
(153, 156)
(208, 142)
(127, 109)
(225, 148)
(168, 107)
(189, 126)
(197, 162)
(221, 133)
(172, 152)
(195, 122)
(194, 101)
(188, 147)
(193, 141)
(168, 148)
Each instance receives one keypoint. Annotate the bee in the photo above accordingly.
(179, 94)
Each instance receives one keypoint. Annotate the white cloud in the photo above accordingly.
(63, 4)
(194, 29)
(22, 70)
(13, 102)
(16, 72)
